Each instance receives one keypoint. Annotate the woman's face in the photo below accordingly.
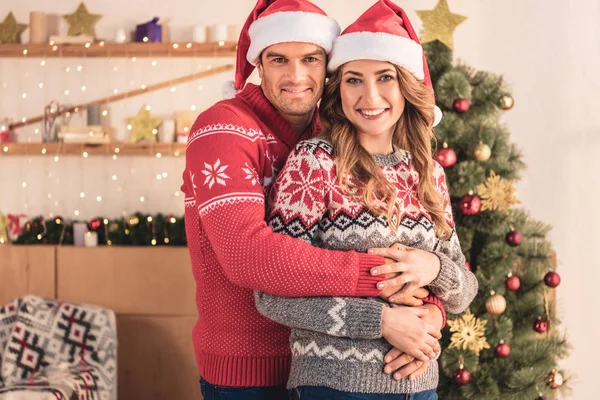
(371, 98)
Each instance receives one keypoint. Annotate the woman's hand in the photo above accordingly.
(406, 365)
(403, 328)
(417, 269)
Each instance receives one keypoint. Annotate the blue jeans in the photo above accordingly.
(213, 392)
(324, 393)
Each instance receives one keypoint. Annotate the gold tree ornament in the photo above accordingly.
(497, 193)
(495, 304)
(506, 102)
(482, 152)
(439, 24)
(81, 22)
(468, 333)
(555, 379)
(10, 30)
(144, 126)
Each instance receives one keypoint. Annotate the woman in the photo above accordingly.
(369, 182)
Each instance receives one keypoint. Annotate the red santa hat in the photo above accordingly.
(383, 33)
(279, 21)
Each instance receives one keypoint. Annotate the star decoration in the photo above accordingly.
(81, 22)
(439, 24)
(468, 333)
(10, 30)
(497, 193)
(144, 126)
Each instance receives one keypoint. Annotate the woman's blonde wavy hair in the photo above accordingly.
(413, 133)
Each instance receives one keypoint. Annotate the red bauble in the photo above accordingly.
(446, 157)
(461, 376)
(468, 265)
(540, 326)
(513, 238)
(502, 350)
(552, 279)
(469, 205)
(513, 283)
(95, 223)
(461, 105)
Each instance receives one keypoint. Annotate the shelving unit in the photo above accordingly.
(54, 149)
(104, 50)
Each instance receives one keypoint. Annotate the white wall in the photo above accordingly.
(548, 50)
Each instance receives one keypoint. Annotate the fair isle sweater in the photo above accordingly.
(233, 154)
(337, 342)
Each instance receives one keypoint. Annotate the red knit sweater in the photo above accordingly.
(234, 152)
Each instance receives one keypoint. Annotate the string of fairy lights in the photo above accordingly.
(55, 178)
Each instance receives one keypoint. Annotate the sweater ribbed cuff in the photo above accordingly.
(438, 303)
(444, 282)
(367, 283)
(363, 319)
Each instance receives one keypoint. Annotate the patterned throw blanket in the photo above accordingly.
(53, 350)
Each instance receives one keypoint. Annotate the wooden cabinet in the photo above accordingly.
(150, 289)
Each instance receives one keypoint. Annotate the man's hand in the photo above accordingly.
(403, 328)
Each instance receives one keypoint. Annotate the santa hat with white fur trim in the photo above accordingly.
(279, 21)
(383, 33)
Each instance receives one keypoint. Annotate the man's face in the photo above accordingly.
(293, 76)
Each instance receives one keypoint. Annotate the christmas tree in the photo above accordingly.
(507, 344)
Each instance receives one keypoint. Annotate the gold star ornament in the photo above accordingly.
(439, 24)
(81, 22)
(10, 30)
(468, 333)
(144, 126)
(497, 193)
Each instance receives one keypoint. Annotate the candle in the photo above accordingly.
(91, 239)
(166, 132)
(79, 231)
(120, 36)
(199, 34)
(220, 32)
(38, 33)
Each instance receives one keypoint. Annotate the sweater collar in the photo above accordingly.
(391, 160)
(264, 110)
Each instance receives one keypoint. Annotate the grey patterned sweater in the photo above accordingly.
(337, 342)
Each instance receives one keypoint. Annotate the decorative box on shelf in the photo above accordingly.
(84, 134)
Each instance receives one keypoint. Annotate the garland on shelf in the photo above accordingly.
(136, 230)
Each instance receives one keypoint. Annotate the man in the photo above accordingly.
(234, 152)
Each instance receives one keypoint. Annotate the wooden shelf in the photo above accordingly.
(104, 50)
(109, 149)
